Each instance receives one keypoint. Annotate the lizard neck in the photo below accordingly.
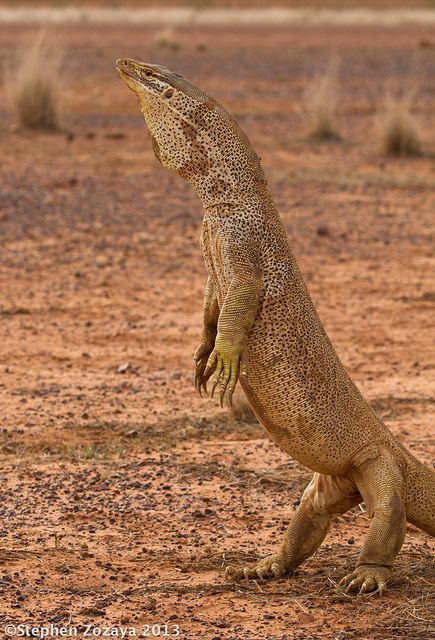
(229, 196)
(219, 161)
(249, 196)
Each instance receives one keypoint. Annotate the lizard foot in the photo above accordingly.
(273, 566)
(366, 578)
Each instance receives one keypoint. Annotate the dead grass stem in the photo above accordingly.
(320, 104)
(166, 38)
(33, 84)
(398, 128)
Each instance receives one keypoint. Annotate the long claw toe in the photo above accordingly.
(369, 584)
(269, 567)
(198, 387)
(366, 579)
(351, 586)
(222, 394)
(215, 383)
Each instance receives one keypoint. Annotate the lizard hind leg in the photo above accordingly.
(324, 498)
(380, 482)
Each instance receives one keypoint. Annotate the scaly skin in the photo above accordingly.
(260, 324)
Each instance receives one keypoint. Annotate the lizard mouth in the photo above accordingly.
(124, 69)
(128, 70)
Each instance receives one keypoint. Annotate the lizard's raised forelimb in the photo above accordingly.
(208, 337)
(241, 282)
(235, 321)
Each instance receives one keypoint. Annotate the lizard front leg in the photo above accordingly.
(208, 337)
(235, 321)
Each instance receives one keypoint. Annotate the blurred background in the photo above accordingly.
(123, 493)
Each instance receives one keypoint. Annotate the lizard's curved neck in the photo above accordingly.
(246, 195)
(221, 164)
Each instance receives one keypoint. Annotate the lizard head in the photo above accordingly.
(169, 104)
(192, 134)
(150, 82)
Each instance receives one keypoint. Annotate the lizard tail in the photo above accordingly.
(420, 495)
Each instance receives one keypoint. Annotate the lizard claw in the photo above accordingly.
(221, 396)
(230, 397)
(260, 574)
(199, 382)
(196, 385)
(202, 359)
(223, 364)
(197, 379)
(368, 585)
(270, 567)
(366, 579)
(216, 377)
(211, 366)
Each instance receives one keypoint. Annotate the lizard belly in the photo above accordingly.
(302, 395)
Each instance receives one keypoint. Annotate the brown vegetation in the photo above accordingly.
(166, 38)
(320, 105)
(398, 128)
(33, 84)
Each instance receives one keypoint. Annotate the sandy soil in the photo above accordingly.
(123, 494)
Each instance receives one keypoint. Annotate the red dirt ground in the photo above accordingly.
(124, 494)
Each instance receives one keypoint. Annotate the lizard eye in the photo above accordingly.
(148, 73)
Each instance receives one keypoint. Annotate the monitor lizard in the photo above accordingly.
(260, 326)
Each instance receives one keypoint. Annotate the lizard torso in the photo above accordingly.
(296, 385)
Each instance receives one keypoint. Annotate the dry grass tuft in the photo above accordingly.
(320, 105)
(166, 39)
(398, 128)
(33, 85)
(241, 409)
